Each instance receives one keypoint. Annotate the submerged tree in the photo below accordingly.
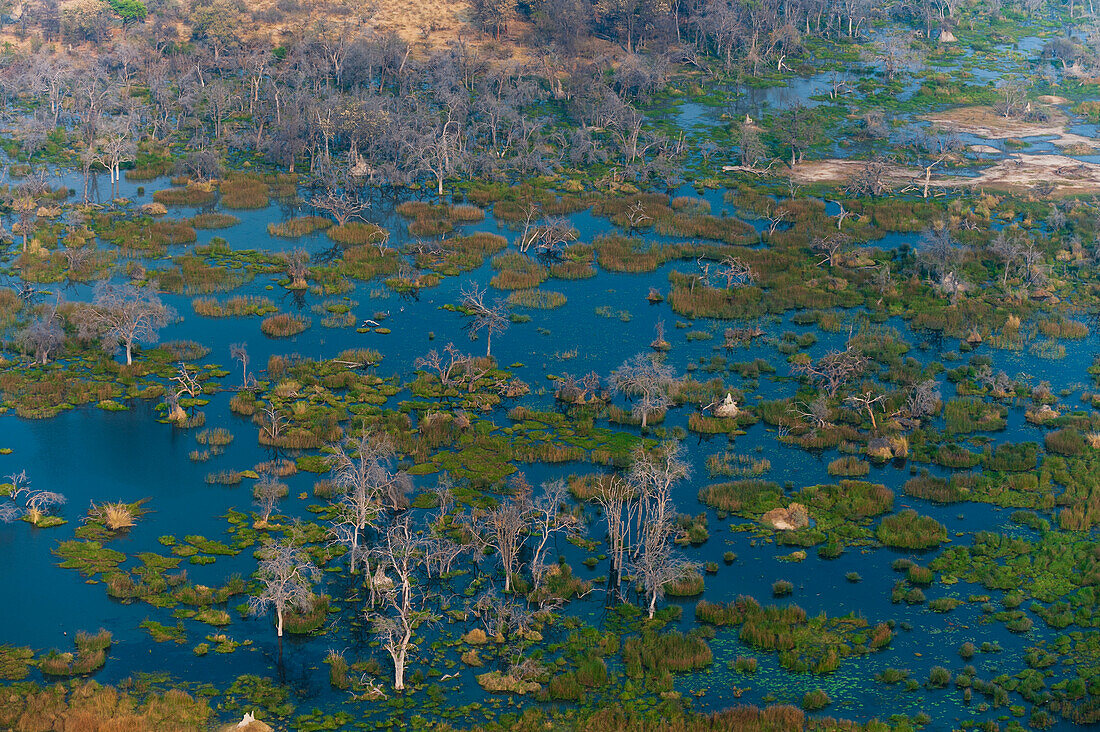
(286, 577)
(403, 607)
(26, 502)
(123, 315)
(365, 473)
(647, 378)
(267, 492)
(42, 336)
(490, 317)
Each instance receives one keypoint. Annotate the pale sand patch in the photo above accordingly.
(985, 122)
(1019, 173)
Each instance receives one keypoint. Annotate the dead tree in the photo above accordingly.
(35, 504)
(485, 316)
(832, 370)
(504, 529)
(239, 353)
(648, 379)
(297, 268)
(123, 315)
(617, 498)
(736, 272)
(339, 204)
(286, 577)
(42, 336)
(266, 493)
(866, 401)
(364, 472)
(652, 474)
(403, 606)
(655, 567)
(548, 520)
(830, 247)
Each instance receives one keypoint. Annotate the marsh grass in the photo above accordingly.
(191, 195)
(849, 466)
(243, 191)
(213, 221)
(238, 306)
(910, 530)
(355, 233)
(516, 271)
(283, 325)
(537, 299)
(299, 226)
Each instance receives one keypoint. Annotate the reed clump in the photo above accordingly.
(238, 306)
(910, 530)
(283, 325)
(190, 195)
(298, 226)
(356, 233)
(242, 191)
(213, 220)
(537, 299)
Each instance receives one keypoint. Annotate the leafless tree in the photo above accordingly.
(444, 365)
(42, 336)
(924, 399)
(123, 314)
(504, 529)
(652, 474)
(287, 578)
(636, 216)
(548, 238)
(364, 472)
(777, 216)
(273, 422)
(239, 353)
(489, 317)
(645, 377)
(816, 412)
(1009, 245)
(655, 567)
(830, 247)
(403, 606)
(548, 520)
(871, 179)
(832, 370)
(617, 498)
(267, 492)
(867, 401)
(36, 504)
(341, 204)
(297, 268)
(736, 272)
(939, 252)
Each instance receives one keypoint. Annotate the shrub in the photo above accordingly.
(782, 588)
(939, 677)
